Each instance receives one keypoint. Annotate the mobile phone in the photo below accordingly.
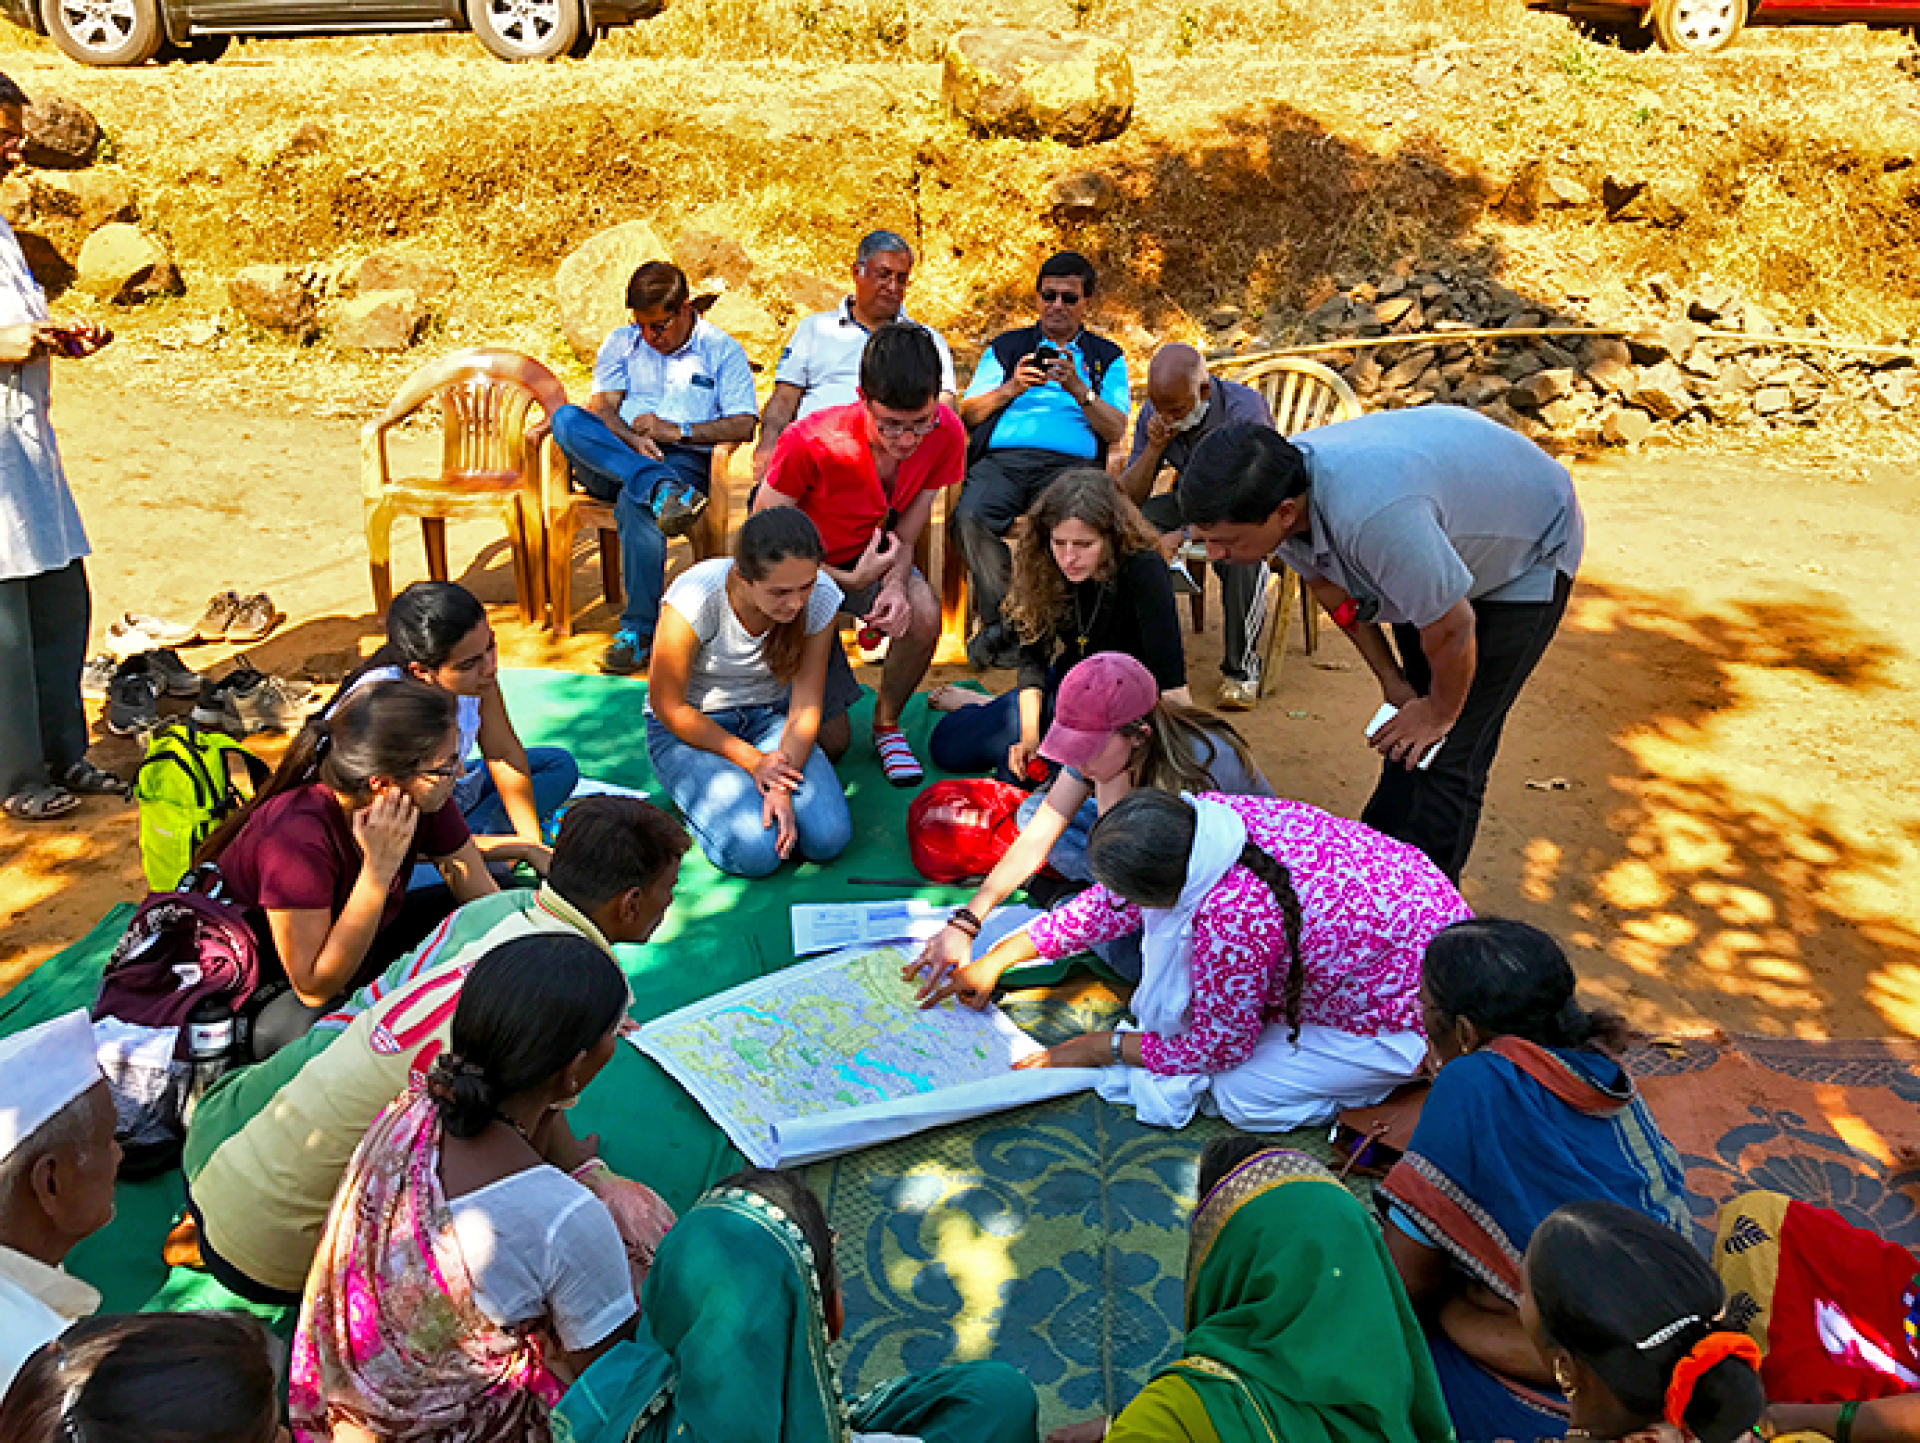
(1046, 353)
(890, 522)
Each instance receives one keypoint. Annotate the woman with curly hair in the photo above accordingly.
(1087, 577)
(1281, 945)
(463, 1280)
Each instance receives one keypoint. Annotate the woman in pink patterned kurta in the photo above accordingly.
(1281, 1035)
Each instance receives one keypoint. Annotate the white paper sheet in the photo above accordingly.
(834, 1054)
(828, 926)
(592, 787)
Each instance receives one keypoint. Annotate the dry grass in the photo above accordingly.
(1278, 145)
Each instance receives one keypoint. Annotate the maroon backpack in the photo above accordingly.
(180, 946)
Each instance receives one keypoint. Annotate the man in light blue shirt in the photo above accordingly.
(1461, 536)
(1045, 398)
(666, 390)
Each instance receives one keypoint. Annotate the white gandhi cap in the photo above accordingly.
(41, 1071)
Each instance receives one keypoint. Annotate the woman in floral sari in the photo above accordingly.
(462, 1279)
(1297, 1327)
(741, 1306)
(1530, 1111)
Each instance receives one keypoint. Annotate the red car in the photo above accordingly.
(1706, 27)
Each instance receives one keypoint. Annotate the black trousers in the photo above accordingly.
(999, 488)
(1438, 810)
(1243, 595)
(43, 646)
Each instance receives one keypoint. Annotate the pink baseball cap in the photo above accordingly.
(1098, 697)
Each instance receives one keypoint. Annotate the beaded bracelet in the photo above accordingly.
(965, 920)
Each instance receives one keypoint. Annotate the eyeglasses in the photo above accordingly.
(661, 326)
(450, 772)
(1061, 298)
(894, 430)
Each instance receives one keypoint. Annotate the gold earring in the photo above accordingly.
(1563, 1375)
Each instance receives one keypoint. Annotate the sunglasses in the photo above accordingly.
(1061, 298)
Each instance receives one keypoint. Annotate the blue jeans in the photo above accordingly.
(554, 773)
(608, 469)
(722, 804)
(975, 739)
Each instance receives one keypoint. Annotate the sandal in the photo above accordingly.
(91, 781)
(896, 757)
(39, 802)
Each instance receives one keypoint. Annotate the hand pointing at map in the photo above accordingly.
(972, 982)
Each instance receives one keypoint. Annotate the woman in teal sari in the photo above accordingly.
(738, 1311)
(1297, 1327)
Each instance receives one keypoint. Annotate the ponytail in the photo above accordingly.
(1512, 980)
(389, 729)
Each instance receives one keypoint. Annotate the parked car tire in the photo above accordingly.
(520, 30)
(200, 50)
(1698, 27)
(104, 32)
(583, 47)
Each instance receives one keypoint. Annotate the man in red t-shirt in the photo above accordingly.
(865, 475)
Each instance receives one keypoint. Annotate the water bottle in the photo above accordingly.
(211, 1035)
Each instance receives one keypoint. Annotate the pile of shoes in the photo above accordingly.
(141, 666)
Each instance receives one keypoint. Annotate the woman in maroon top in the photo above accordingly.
(319, 859)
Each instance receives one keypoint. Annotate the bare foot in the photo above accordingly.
(1091, 1431)
(948, 697)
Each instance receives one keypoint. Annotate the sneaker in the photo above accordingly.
(176, 678)
(628, 654)
(222, 607)
(97, 675)
(133, 699)
(255, 620)
(677, 507)
(1237, 694)
(267, 704)
(215, 708)
(129, 635)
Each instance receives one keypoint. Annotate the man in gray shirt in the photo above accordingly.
(1459, 534)
(1184, 406)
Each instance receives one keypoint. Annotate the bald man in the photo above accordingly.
(1183, 405)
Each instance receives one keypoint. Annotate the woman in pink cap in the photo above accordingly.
(1282, 954)
(1113, 730)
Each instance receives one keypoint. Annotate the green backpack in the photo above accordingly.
(186, 787)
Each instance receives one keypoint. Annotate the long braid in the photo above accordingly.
(1273, 872)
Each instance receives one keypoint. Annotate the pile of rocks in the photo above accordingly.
(78, 224)
(1688, 358)
(381, 303)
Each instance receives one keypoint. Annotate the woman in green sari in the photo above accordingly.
(1297, 1326)
(737, 1313)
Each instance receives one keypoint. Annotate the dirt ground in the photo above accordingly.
(1706, 790)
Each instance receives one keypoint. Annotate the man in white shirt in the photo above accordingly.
(57, 1165)
(820, 368)
(666, 390)
(45, 606)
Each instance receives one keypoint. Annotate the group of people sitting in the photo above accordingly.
(465, 1267)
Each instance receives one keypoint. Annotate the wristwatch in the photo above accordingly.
(1113, 1041)
(686, 431)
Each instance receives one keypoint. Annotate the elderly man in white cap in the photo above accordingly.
(57, 1165)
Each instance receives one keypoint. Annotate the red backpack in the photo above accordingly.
(180, 946)
(960, 828)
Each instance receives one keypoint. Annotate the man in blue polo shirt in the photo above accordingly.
(1045, 398)
(666, 390)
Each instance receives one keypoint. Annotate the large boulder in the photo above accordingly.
(808, 293)
(61, 134)
(275, 298)
(1082, 195)
(88, 199)
(707, 256)
(591, 284)
(1038, 84)
(749, 323)
(122, 264)
(379, 321)
(427, 276)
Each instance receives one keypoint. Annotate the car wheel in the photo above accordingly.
(583, 47)
(1698, 27)
(104, 32)
(199, 50)
(526, 29)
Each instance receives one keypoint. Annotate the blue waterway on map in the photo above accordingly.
(916, 1081)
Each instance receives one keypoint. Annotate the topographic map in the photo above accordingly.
(832, 1035)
